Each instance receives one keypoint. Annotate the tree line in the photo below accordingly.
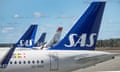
(100, 43)
(108, 43)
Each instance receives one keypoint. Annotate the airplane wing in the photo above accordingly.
(87, 61)
(5, 60)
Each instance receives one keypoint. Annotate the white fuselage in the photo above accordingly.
(53, 60)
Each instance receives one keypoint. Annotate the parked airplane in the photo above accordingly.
(71, 53)
(40, 44)
(27, 40)
(41, 40)
(55, 38)
(24, 42)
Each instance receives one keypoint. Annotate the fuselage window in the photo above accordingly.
(28, 62)
(10, 62)
(15, 62)
(19, 62)
(33, 61)
(38, 62)
(24, 62)
(42, 61)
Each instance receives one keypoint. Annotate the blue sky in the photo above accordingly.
(17, 15)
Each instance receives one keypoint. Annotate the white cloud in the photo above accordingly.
(37, 14)
(65, 17)
(34, 15)
(16, 16)
(7, 29)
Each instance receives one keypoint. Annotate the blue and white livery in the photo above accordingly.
(75, 51)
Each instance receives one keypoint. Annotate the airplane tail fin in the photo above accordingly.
(83, 35)
(41, 40)
(55, 38)
(28, 38)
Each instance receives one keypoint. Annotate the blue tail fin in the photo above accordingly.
(41, 40)
(84, 33)
(28, 38)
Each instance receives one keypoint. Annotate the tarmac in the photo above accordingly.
(107, 66)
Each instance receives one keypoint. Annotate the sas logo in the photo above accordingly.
(25, 42)
(81, 40)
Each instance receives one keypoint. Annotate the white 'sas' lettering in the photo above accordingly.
(26, 43)
(81, 40)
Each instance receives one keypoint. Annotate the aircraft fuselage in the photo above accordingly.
(53, 60)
